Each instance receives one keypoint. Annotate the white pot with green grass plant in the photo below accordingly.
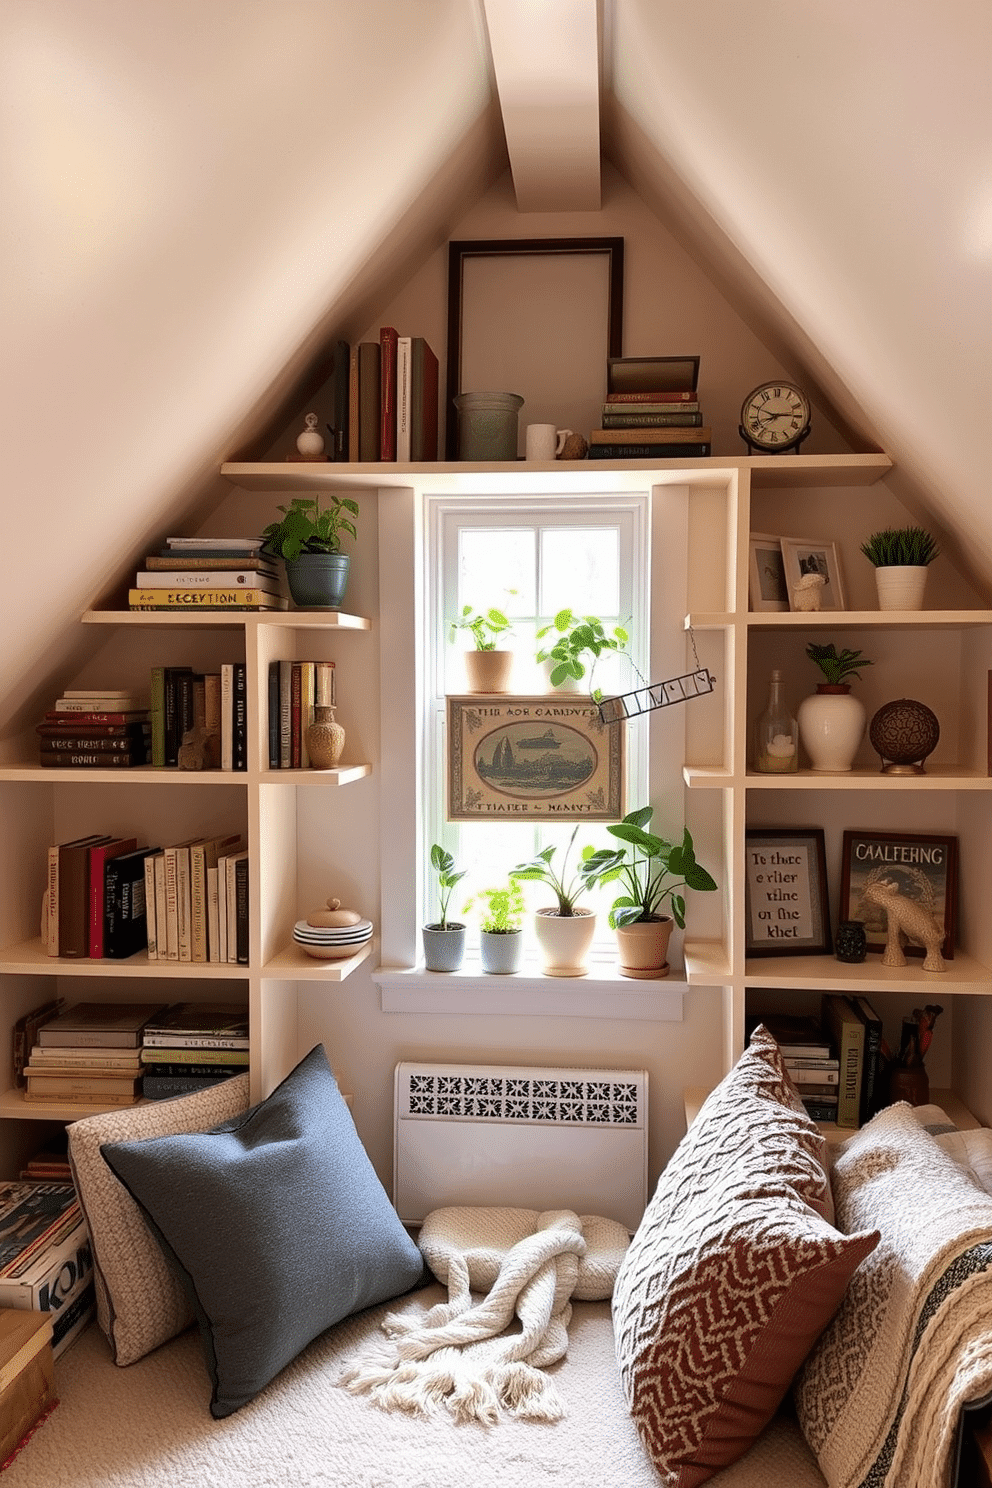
(501, 927)
(488, 666)
(444, 940)
(564, 930)
(902, 558)
(832, 721)
(652, 872)
(573, 644)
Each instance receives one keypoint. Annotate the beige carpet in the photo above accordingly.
(149, 1426)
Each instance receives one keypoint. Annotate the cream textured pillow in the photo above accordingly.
(732, 1274)
(140, 1301)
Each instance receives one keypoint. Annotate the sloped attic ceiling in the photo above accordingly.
(198, 192)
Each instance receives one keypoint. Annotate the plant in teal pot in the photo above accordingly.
(308, 540)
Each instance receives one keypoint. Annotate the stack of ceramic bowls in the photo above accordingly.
(333, 933)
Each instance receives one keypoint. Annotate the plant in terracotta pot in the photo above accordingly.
(564, 930)
(576, 639)
(444, 940)
(652, 872)
(832, 722)
(901, 557)
(308, 540)
(487, 665)
(501, 923)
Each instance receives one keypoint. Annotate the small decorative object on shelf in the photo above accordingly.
(775, 418)
(332, 934)
(906, 917)
(777, 734)
(901, 556)
(904, 734)
(576, 447)
(851, 941)
(831, 721)
(310, 443)
(908, 1079)
(325, 739)
(807, 592)
(487, 425)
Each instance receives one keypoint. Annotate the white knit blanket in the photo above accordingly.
(481, 1361)
(879, 1398)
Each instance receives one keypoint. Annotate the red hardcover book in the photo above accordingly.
(388, 343)
(74, 897)
(98, 859)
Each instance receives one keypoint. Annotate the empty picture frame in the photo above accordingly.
(767, 586)
(806, 555)
(558, 315)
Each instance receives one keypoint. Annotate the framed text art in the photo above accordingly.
(785, 889)
(882, 870)
(767, 586)
(533, 758)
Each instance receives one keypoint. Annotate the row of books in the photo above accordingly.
(296, 688)
(208, 573)
(94, 902)
(191, 1046)
(384, 399)
(837, 1063)
(199, 720)
(46, 1264)
(96, 728)
(651, 410)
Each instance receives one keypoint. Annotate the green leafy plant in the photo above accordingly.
(650, 869)
(577, 636)
(502, 908)
(484, 626)
(912, 546)
(836, 668)
(566, 889)
(443, 865)
(305, 527)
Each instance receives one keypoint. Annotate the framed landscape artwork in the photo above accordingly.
(787, 912)
(533, 758)
(923, 867)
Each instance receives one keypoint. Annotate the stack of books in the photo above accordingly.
(208, 573)
(96, 728)
(193, 1045)
(651, 411)
(296, 688)
(811, 1059)
(392, 400)
(196, 900)
(89, 1055)
(206, 712)
(45, 1260)
(94, 903)
(836, 1061)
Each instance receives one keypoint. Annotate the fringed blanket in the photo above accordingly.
(463, 1358)
(879, 1398)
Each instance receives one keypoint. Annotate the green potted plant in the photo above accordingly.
(832, 721)
(564, 930)
(901, 557)
(501, 922)
(308, 539)
(577, 637)
(652, 872)
(487, 665)
(444, 939)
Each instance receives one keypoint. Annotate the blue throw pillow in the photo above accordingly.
(278, 1224)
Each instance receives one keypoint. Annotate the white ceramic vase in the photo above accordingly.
(831, 726)
(564, 941)
(901, 586)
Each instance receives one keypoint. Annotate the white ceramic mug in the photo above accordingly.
(544, 441)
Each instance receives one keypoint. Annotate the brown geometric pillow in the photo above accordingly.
(732, 1274)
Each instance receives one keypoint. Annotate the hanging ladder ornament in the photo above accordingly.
(659, 694)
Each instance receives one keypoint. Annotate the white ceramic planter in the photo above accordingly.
(901, 586)
(564, 941)
(501, 952)
(831, 726)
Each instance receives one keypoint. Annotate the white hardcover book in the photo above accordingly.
(150, 922)
(205, 578)
(222, 909)
(171, 905)
(161, 908)
(307, 700)
(213, 926)
(231, 879)
(323, 688)
(184, 904)
(227, 715)
(404, 368)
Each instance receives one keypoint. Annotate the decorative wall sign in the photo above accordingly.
(533, 758)
(657, 695)
(785, 885)
(922, 867)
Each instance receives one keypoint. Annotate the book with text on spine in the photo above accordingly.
(111, 1025)
(848, 1034)
(206, 599)
(388, 343)
(648, 451)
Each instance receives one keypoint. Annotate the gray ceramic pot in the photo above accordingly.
(444, 950)
(317, 581)
(501, 952)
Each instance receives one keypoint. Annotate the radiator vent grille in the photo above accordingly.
(522, 1098)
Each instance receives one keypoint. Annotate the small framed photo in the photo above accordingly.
(787, 911)
(806, 555)
(546, 758)
(916, 866)
(767, 587)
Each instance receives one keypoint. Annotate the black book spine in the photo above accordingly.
(240, 730)
(273, 715)
(241, 909)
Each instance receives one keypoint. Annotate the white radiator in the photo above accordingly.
(520, 1136)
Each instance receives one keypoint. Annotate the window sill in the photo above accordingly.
(471, 992)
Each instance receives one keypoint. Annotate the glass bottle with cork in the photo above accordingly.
(777, 734)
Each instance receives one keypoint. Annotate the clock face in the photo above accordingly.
(775, 416)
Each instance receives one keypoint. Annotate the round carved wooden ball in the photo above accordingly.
(903, 734)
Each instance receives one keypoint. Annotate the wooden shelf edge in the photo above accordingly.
(328, 619)
(293, 964)
(29, 958)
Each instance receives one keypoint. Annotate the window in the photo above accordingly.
(530, 557)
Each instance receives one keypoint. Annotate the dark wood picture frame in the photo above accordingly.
(925, 866)
(787, 911)
(459, 251)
